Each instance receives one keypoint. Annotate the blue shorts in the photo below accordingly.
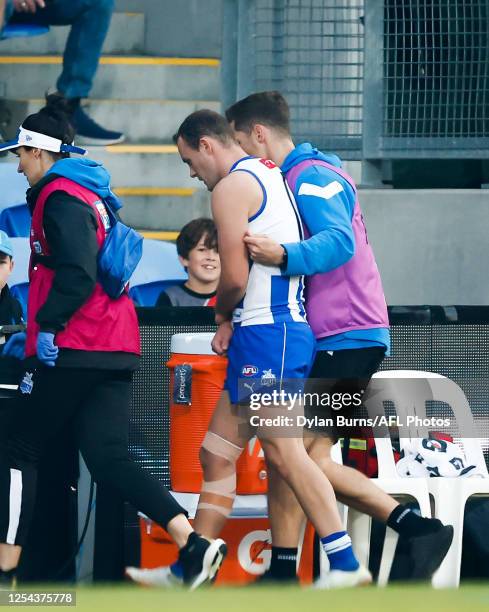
(262, 355)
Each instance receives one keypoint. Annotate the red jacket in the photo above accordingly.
(101, 323)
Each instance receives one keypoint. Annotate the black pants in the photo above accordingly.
(97, 401)
(341, 372)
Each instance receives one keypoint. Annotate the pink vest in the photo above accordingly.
(101, 323)
(349, 297)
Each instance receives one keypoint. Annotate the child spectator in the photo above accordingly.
(197, 252)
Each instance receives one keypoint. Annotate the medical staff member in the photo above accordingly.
(81, 350)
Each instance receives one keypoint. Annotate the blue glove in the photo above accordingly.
(47, 351)
(15, 346)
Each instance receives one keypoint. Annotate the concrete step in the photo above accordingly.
(126, 35)
(129, 78)
(163, 209)
(148, 121)
(144, 165)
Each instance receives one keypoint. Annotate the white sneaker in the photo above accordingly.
(337, 579)
(157, 577)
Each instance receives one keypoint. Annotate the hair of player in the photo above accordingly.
(192, 233)
(52, 120)
(266, 107)
(201, 123)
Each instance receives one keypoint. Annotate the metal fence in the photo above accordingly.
(310, 50)
(424, 91)
(426, 82)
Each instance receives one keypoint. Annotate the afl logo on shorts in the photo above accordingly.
(249, 370)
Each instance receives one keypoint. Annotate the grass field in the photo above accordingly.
(397, 598)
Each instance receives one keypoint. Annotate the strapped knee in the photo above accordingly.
(218, 495)
(221, 447)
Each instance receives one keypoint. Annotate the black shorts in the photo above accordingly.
(343, 376)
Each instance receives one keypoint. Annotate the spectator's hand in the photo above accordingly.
(263, 249)
(15, 346)
(47, 351)
(220, 342)
(28, 6)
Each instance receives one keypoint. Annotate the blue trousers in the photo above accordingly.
(89, 20)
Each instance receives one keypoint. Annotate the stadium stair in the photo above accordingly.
(146, 97)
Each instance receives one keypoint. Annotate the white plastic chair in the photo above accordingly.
(449, 495)
(388, 479)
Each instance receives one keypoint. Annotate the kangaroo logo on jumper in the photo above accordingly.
(103, 214)
(27, 383)
(249, 370)
(37, 247)
(268, 378)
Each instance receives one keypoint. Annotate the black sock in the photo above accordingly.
(408, 523)
(284, 562)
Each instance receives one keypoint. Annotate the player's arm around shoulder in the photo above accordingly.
(326, 204)
(234, 200)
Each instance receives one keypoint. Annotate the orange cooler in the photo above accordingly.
(200, 375)
(200, 384)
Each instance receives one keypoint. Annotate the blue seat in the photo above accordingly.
(19, 30)
(13, 186)
(22, 253)
(158, 263)
(21, 293)
(147, 294)
(16, 221)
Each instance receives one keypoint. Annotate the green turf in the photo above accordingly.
(286, 599)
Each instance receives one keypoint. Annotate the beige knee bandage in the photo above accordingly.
(218, 495)
(221, 447)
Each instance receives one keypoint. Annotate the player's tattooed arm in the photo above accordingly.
(234, 200)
